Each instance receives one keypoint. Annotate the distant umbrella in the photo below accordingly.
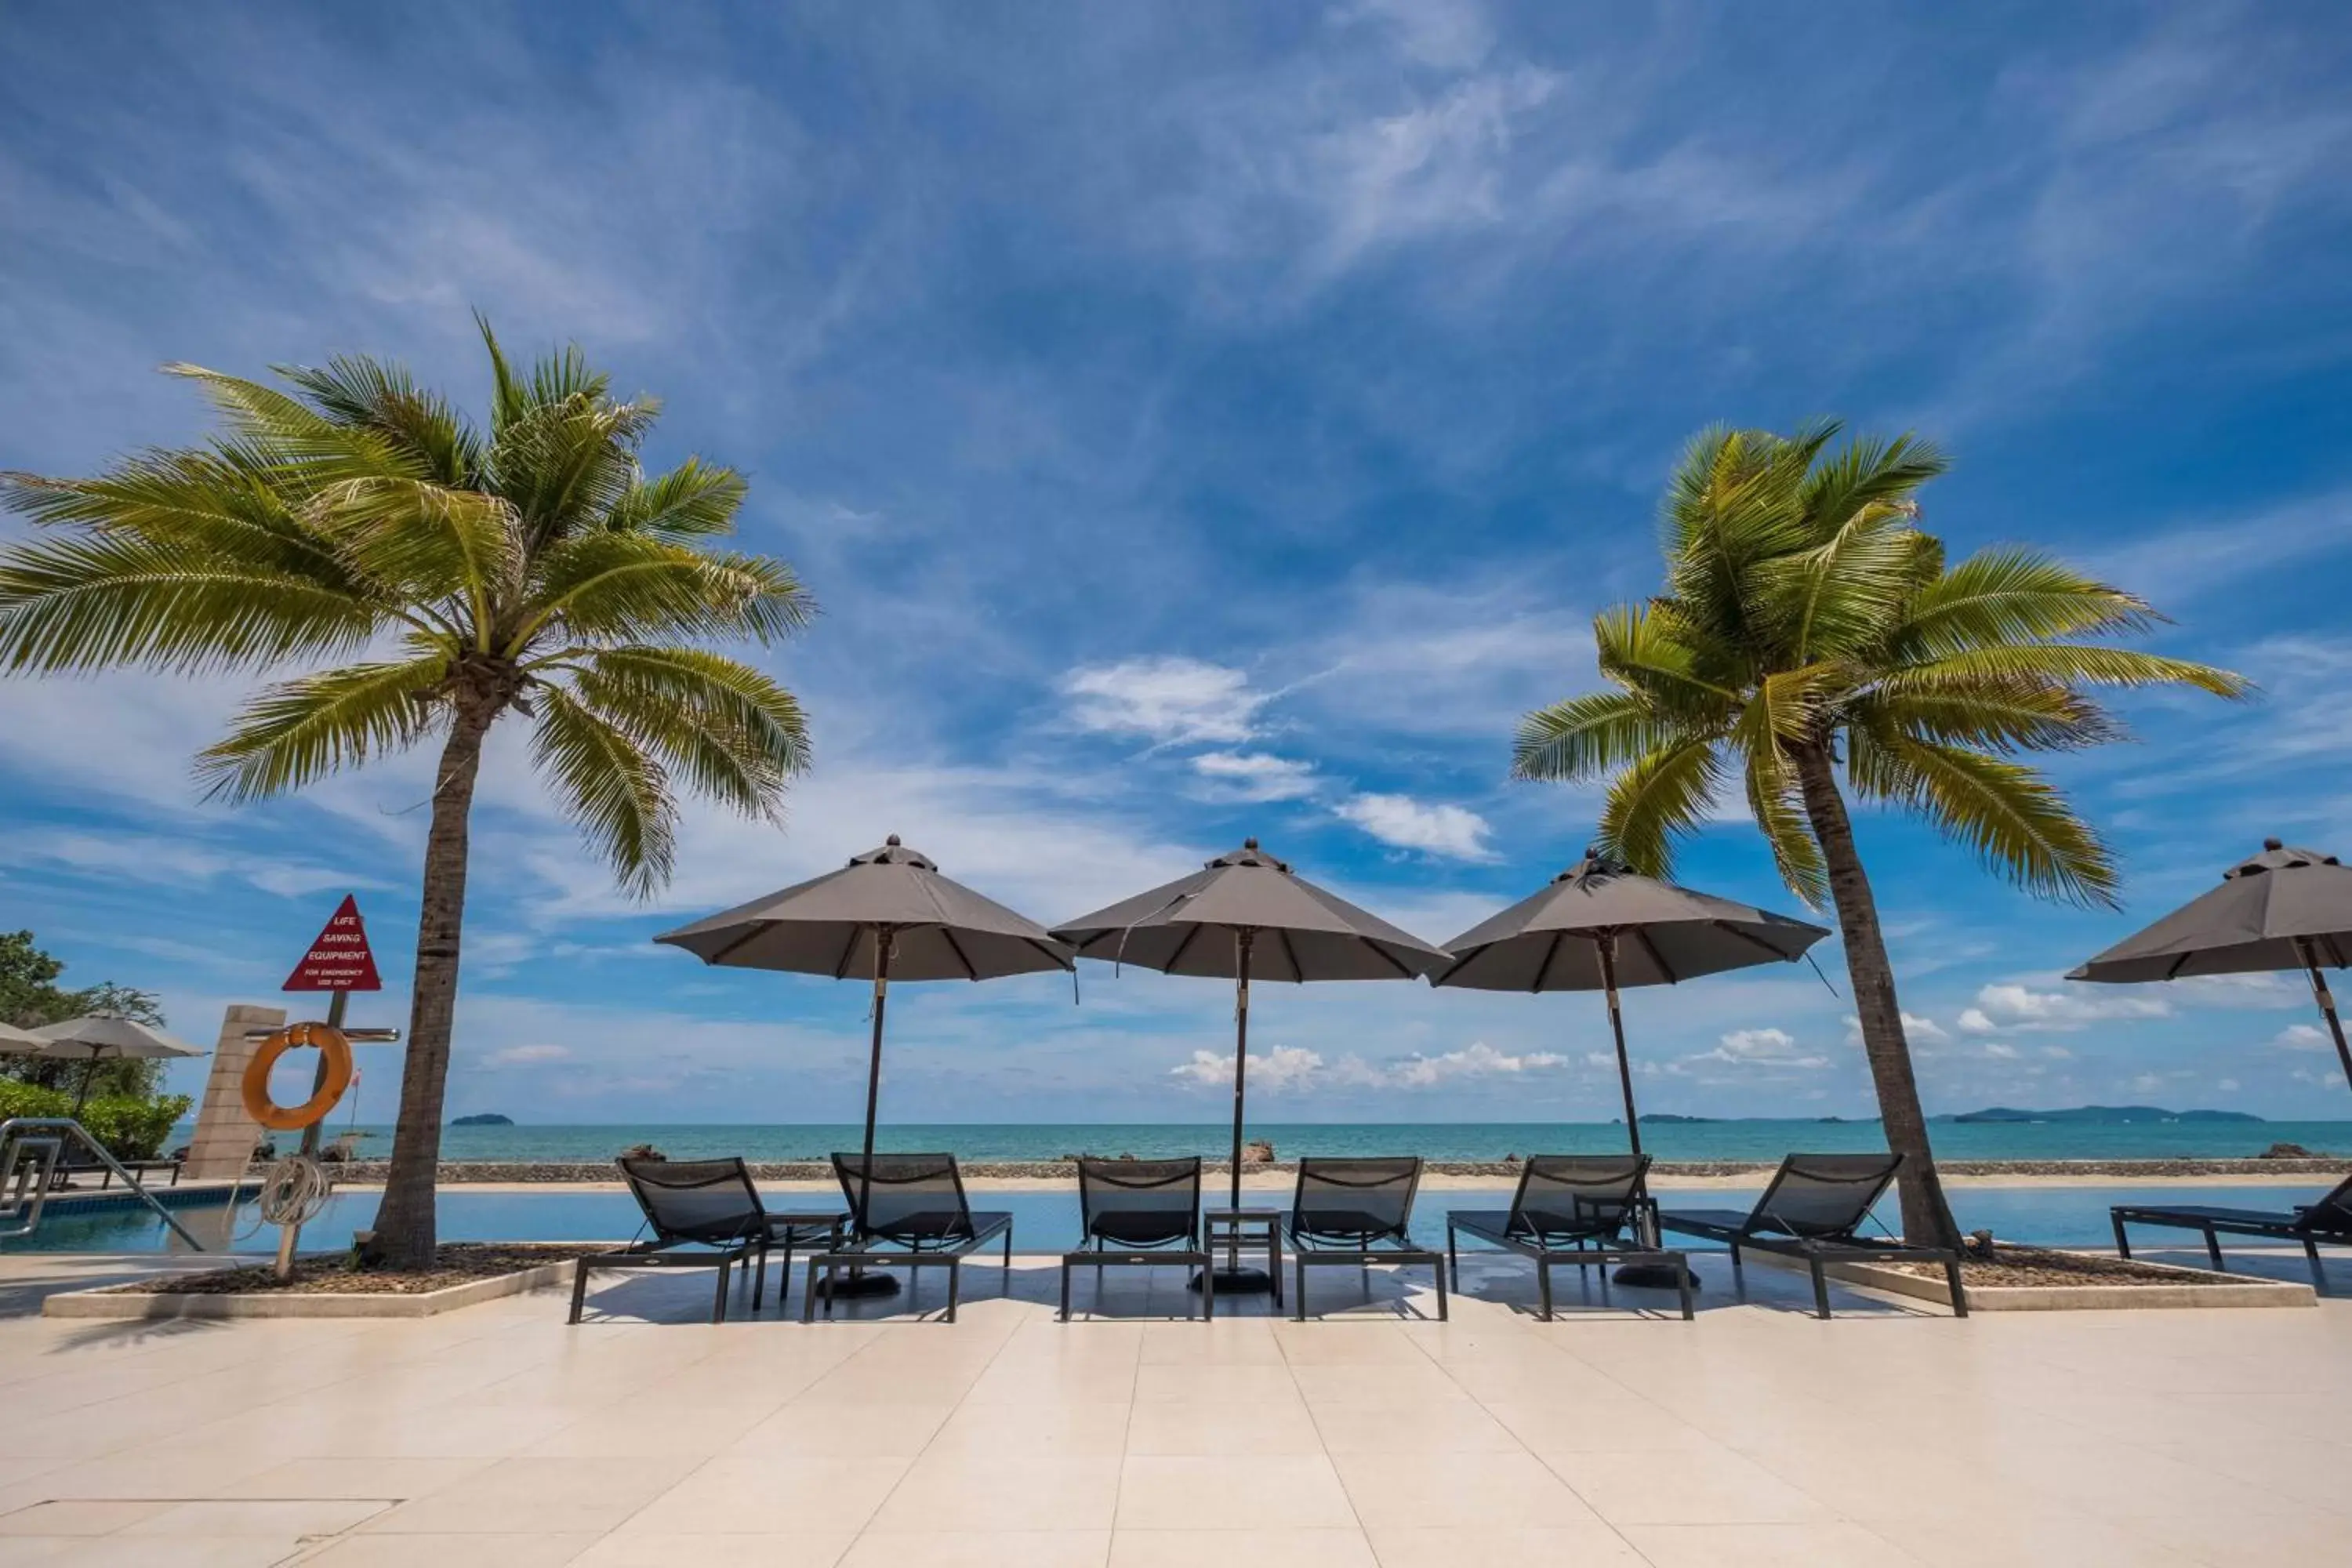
(19, 1042)
(1598, 927)
(104, 1036)
(888, 913)
(2283, 910)
(1247, 916)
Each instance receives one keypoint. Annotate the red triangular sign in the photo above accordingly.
(340, 959)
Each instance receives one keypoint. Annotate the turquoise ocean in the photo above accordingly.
(1759, 1139)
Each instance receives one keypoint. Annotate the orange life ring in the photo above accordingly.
(334, 1047)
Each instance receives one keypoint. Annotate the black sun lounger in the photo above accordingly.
(1578, 1209)
(2328, 1220)
(1810, 1211)
(1138, 1213)
(908, 1212)
(704, 1213)
(1356, 1211)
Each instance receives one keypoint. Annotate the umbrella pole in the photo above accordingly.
(858, 1282)
(90, 1071)
(1233, 1279)
(2327, 1000)
(1656, 1276)
(1241, 1047)
(1608, 948)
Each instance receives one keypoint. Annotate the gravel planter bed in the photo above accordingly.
(2038, 1266)
(327, 1287)
(368, 1172)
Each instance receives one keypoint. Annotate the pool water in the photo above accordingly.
(1043, 1221)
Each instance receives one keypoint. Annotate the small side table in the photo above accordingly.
(809, 1230)
(1250, 1227)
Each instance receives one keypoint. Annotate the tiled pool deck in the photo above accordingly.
(1755, 1435)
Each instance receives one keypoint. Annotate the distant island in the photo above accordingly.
(1667, 1119)
(2103, 1115)
(484, 1119)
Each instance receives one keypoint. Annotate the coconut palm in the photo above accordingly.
(1814, 643)
(432, 576)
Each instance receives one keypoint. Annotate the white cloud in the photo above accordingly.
(1172, 701)
(2006, 1007)
(2227, 1085)
(1478, 1059)
(1285, 1067)
(525, 1055)
(1761, 1048)
(1257, 775)
(2303, 1037)
(1399, 820)
(1917, 1026)
(1998, 1052)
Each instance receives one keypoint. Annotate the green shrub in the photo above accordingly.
(130, 1129)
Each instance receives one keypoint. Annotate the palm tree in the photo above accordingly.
(434, 575)
(1808, 626)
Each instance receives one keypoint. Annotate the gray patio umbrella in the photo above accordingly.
(18, 1042)
(1247, 916)
(889, 913)
(2284, 909)
(102, 1037)
(1600, 927)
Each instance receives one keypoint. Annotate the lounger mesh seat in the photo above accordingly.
(704, 1213)
(2328, 1220)
(908, 1211)
(1576, 1209)
(1811, 1211)
(1357, 1211)
(1140, 1213)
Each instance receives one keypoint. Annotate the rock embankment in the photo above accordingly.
(455, 1172)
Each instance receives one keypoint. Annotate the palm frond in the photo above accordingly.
(2008, 597)
(429, 543)
(1652, 649)
(2015, 713)
(616, 795)
(302, 444)
(1772, 801)
(1587, 735)
(88, 601)
(369, 394)
(727, 728)
(299, 731)
(2019, 825)
(1840, 598)
(2065, 664)
(694, 500)
(636, 587)
(1660, 799)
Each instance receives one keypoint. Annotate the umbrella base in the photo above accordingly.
(857, 1286)
(1653, 1276)
(1238, 1282)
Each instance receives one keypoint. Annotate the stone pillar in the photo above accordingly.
(225, 1135)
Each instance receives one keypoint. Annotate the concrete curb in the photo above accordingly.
(2082, 1298)
(117, 1303)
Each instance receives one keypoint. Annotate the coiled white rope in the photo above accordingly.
(293, 1191)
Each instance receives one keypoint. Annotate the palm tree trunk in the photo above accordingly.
(1927, 1217)
(405, 1222)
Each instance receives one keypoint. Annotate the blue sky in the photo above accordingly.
(1207, 420)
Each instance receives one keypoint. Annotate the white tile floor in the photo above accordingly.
(1370, 1438)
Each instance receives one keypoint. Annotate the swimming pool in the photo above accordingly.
(1043, 1221)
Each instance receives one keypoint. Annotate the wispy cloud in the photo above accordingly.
(1400, 820)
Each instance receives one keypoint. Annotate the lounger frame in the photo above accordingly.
(1313, 1246)
(1182, 1246)
(943, 1239)
(2328, 1220)
(1593, 1238)
(1769, 1230)
(742, 1233)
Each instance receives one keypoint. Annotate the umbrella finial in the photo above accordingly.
(2273, 844)
(892, 841)
(1249, 843)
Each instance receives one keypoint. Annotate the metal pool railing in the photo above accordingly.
(30, 1148)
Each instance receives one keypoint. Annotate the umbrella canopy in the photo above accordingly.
(15, 1041)
(1301, 931)
(1242, 916)
(939, 930)
(2284, 909)
(1599, 927)
(889, 913)
(102, 1035)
